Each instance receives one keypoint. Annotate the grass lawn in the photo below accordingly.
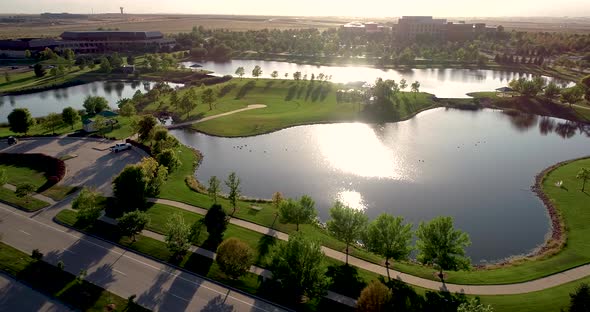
(59, 192)
(27, 80)
(29, 204)
(59, 284)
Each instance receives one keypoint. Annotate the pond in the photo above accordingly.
(444, 83)
(54, 101)
(476, 166)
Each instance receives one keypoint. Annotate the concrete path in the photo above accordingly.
(182, 124)
(508, 289)
(15, 296)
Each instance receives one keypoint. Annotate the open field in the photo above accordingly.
(34, 26)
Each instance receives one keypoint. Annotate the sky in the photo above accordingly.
(368, 8)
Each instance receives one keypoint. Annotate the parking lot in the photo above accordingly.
(90, 162)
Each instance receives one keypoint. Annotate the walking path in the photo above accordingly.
(507, 289)
(182, 124)
(38, 196)
(253, 269)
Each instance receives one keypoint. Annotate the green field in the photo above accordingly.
(29, 203)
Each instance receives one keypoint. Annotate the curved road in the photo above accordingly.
(507, 289)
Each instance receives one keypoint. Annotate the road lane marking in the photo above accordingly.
(147, 264)
(119, 272)
(24, 232)
(179, 297)
(69, 251)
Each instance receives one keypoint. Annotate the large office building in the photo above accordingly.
(412, 27)
(92, 42)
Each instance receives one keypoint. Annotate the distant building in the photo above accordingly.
(411, 27)
(94, 42)
(359, 27)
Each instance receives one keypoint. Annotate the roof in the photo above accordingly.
(504, 89)
(87, 121)
(108, 113)
(111, 35)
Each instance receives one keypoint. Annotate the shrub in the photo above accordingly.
(234, 257)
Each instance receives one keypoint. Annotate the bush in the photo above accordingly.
(375, 297)
(37, 254)
(234, 257)
(141, 146)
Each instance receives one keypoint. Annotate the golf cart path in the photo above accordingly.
(249, 107)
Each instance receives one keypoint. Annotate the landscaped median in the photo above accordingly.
(27, 203)
(65, 287)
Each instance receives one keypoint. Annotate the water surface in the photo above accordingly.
(477, 167)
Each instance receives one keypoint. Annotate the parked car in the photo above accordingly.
(12, 140)
(120, 147)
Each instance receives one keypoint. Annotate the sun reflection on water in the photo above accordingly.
(351, 199)
(355, 148)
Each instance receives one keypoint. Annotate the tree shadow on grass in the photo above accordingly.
(265, 245)
(247, 87)
(345, 280)
(198, 264)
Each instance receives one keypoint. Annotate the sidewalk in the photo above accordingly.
(507, 289)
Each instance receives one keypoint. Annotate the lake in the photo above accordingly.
(444, 83)
(476, 166)
(54, 101)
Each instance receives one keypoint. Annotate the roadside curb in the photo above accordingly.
(173, 266)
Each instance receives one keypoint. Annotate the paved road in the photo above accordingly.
(94, 165)
(15, 296)
(157, 286)
(182, 124)
(509, 289)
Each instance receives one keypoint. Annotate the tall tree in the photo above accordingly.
(390, 237)
(129, 188)
(298, 267)
(132, 223)
(216, 222)
(177, 235)
(88, 206)
(39, 70)
(552, 90)
(297, 212)
(257, 71)
(584, 175)
(214, 188)
(441, 245)
(234, 257)
(145, 126)
(52, 121)
(580, 299)
(233, 183)
(168, 158)
(20, 120)
(95, 104)
(208, 97)
(415, 88)
(403, 84)
(572, 95)
(240, 72)
(274, 74)
(70, 116)
(347, 224)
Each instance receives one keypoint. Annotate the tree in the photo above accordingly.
(169, 159)
(39, 70)
(585, 84)
(415, 88)
(20, 120)
(129, 188)
(572, 95)
(277, 199)
(27, 54)
(6, 76)
(297, 212)
(188, 103)
(23, 190)
(297, 76)
(95, 104)
(216, 223)
(441, 245)
(375, 297)
(257, 71)
(274, 74)
(234, 257)
(127, 110)
(132, 223)
(552, 90)
(145, 126)
(347, 224)
(177, 235)
(297, 265)
(580, 299)
(154, 175)
(240, 72)
(105, 65)
(214, 188)
(403, 84)
(233, 183)
(208, 97)
(70, 116)
(88, 205)
(52, 121)
(130, 60)
(584, 175)
(389, 237)
(474, 305)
